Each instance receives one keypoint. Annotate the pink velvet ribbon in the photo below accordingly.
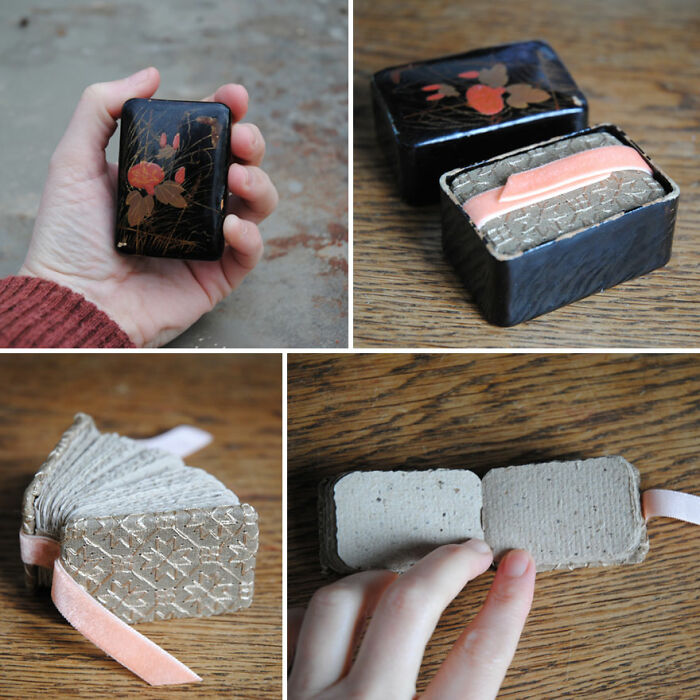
(104, 629)
(550, 180)
(671, 504)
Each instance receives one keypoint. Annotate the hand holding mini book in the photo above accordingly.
(566, 514)
(124, 532)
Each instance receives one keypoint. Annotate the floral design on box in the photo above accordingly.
(150, 176)
(486, 96)
(479, 88)
(173, 164)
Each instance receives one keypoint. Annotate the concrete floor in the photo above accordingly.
(291, 56)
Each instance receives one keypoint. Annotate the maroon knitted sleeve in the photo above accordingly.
(36, 313)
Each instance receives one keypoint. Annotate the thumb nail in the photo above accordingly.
(478, 546)
(139, 76)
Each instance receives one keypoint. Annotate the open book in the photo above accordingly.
(141, 534)
(566, 514)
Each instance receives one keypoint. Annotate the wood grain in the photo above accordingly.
(637, 64)
(628, 631)
(237, 398)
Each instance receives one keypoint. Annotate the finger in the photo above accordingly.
(235, 97)
(332, 621)
(477, 664)
(94, 119)
(257, 196)
(245, 248)
(113, 172)
(295, 617)
(247, 144)
(390, 655)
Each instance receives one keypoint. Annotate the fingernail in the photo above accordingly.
(478, 546)
(246, 174)
(138, 76)
(253, 136)
(515, 563)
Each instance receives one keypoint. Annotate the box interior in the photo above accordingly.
(517, 232)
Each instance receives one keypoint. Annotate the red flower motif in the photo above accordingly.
(485, 99)
(145, 175)
(180, 175)
(176, 142)
(163, 139)
(443, 90)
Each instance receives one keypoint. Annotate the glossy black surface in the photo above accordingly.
(433, 116)
(173, 166)
(564, 270)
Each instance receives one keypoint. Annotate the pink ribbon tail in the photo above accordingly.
(102, 627)
(671, 504)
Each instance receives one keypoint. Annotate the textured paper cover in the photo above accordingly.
(567, 514)
(390, 519)
(533, 225)
(190, 563)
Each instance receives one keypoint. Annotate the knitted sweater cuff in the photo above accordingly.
(36, 313)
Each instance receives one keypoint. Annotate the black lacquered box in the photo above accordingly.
(531, 261)
(173, 168)
(454, 111)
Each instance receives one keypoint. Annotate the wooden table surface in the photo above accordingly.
(625, 632)
(639, 65)
(238, 398)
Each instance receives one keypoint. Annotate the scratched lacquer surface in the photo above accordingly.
(173, 161)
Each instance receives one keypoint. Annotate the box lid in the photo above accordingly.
(435, 115)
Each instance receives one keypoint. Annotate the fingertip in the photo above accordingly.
(232, 228)
(143, 75)
(143, 83)
(243, 236)
(235, 97)
(238, 179)
(247, 143)
(478, 546)
(517, 563)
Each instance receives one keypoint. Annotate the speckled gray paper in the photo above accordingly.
(527, 227)
(378, 519)
(567, 514)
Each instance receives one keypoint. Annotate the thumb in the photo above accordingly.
(94, 120)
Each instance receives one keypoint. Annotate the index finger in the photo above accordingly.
(390, 655)
(477, 664)
(234, 96)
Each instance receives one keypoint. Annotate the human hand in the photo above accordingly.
(405, 610)
(152, 299)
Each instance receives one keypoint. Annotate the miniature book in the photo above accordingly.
(604, 178)
(566, 514)
(125, 533)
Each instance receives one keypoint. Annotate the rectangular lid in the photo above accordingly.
(457, 110)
